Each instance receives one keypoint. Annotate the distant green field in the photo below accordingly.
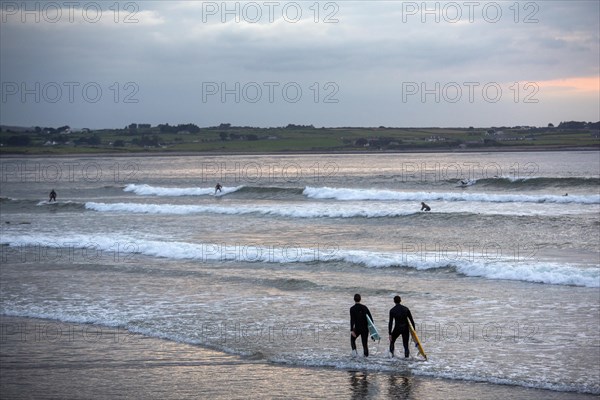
(236, 140)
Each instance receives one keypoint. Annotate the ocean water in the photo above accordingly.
(502, 275)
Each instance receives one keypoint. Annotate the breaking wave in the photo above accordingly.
(472, 265)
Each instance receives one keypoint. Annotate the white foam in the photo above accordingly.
(347, 194)
(74, 317)
(540, 272)
(298, 210)
(356, 209)
(130, 320)
(474, 265)
(147, 190)
(46, 202)
(515, 179)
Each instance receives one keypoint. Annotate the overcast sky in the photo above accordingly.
(269, 63)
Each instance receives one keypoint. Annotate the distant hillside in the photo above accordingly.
(225, 138)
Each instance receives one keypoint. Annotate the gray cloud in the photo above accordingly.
(374, 49)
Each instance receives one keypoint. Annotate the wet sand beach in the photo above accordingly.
(43, 359)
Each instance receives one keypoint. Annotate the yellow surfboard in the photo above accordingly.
(415, 338)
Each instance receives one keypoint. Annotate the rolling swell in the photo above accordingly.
(303, 210)
(497, 268)
(537, 182)
(382, 194)
(37, 206)
(246, 191)
(348, 194)
(63, 205)
(270, 192)
(320, 210)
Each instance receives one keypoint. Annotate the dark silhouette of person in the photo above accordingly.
(52, 195)
(398, 316)
(359, 325)
(359, 384)
(218, 188)
(400, 387)
(425, 207)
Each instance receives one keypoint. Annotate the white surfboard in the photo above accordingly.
(373, 332)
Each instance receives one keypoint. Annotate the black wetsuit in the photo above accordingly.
(359, 325)
(52, 196)
(398, 315)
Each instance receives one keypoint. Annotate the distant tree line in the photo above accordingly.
(21, 140)
(579, 125)
(293, 126)
(166, 128)
(47, 130)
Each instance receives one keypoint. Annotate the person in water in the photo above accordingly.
(218, 188)
(52, 195)
(359, 325)
(398, 325)
(425, 207)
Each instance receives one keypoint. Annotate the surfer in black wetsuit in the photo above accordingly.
(52, 196)
(218, 188)
(398, 316)
(359, 325)
(425, 207)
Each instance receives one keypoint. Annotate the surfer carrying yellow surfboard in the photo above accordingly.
(398, 321)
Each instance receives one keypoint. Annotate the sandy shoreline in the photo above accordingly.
(56, 360)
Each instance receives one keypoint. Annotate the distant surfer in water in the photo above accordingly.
(52, 196)
(359, 325)
(425, 207)
(218, 188)
(398, 316)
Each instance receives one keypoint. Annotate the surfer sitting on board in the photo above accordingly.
(425, 207)
(359, 325)
(218, 188)
(52, 196)
(398, 315)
